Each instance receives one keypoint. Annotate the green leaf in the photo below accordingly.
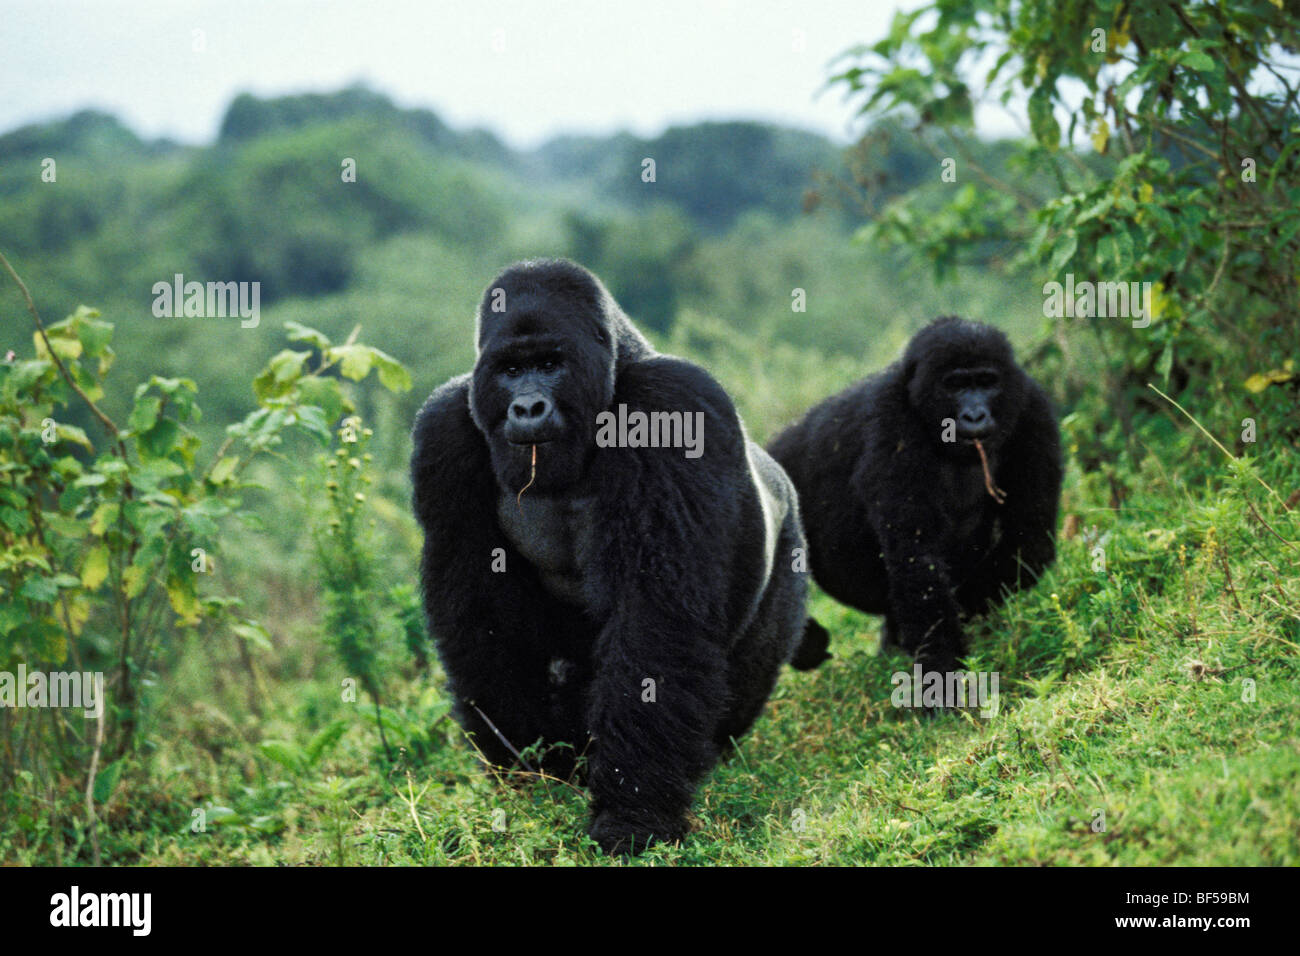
(134, 580)
(145, 414)
(224, 469)
(201, 526)
(26, 374)
(223, 816)
(324, 741)
(106, 780)
(1166, 361)
(62, 346)
(313, 419)
(39, 589)
(184, 598)
(269, 428)
(150, 474)
(1042, 121)
(304, 333)
(15, 520)
(280, 374)
(1063, 252)
(105, 515)
(287, 366)
(356, 360)
(161, 439)
(286, 754)
(74, 434)
(392, 374)
(94, 336)
(65, 526)
(95, 568)
(172, 387)
(252, 633)
(325, 394)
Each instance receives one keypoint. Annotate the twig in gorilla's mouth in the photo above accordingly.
(532, 476)
(994, 491)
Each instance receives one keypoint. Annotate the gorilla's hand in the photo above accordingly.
(627, 833)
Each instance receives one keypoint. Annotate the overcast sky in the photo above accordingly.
(526, 70)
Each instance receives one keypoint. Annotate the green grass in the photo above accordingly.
(1123, 699)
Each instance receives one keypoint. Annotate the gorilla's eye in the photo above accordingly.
(962, 379)
(513, 371)
(549, 365)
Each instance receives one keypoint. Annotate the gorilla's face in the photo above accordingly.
(963, 382)
(545, 369)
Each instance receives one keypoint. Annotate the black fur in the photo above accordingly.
(899, 521)
(622, 564)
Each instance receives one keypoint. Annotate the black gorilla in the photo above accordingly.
(633, 602)
(903, 517)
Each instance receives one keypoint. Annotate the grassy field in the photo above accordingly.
(1149, 714)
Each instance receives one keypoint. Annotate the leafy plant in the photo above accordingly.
(363, 621)
(1193, 183)
(106, 551)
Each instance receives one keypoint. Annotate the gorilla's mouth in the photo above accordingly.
(523, 435)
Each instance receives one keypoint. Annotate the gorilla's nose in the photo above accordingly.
(531, 409)
(975, 422)
(531, 418)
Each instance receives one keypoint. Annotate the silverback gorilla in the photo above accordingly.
(929, 488)
(623, 600)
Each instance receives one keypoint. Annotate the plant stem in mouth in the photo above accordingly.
(532, 476)
(994, 491)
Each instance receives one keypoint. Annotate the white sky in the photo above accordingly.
(568, 65)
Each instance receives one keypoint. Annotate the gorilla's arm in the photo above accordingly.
(1031, 476)
(914, 530)
(481, 619)
(660, 578)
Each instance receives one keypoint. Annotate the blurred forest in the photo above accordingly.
(406, 249)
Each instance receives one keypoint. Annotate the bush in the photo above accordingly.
(106, 553)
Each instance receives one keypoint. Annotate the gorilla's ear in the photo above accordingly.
(910, 365)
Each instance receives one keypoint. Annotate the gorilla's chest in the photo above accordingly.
(553, 535)
(968, 502)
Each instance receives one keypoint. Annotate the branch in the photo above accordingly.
(63, 370)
